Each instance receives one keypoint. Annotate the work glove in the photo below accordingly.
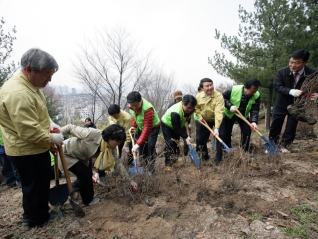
(254, 126)
(55, 126)
(233, 108)
(132, 130)
(134, 186)
(134, 149)
(57, 139)
(189, 140)
(295, 92)
(216, 131)
(96, 176)
(126, 150)
(313, 96)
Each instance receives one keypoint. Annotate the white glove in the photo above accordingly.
(233, 108)
(57, 139)
(254, 126)
(134, 186)
(295, 92)
(111, 122)
(96, 175)
(134, 149)
(216, 131)
(189, 140)
(126, 149)
(132, 130)
(53, 125)
(314, 96)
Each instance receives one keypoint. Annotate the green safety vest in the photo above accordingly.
(236, 96)
(140, 117)
(176, 108)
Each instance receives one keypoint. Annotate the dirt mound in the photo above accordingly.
(247, 195)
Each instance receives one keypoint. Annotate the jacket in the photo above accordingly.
(210, 109)
(175, 119)
(145, 119)
(248, 106)
(24, 117)
(124, 120)
(283, 83)
(83, 144)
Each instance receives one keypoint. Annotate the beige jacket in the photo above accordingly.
(210, 109)
(124, 120)
(84, 145)
(24, 117)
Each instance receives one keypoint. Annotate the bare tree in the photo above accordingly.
(109, 65)
(157, 89)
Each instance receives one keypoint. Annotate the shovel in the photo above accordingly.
(59, 193)
(226, 148)
(193, 154)
(75, 205)
(269, 145)
(135, 170)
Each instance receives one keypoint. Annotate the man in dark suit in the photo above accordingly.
(287, 84)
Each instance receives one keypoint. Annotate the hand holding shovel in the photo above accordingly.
(226, 148)
(270, 146)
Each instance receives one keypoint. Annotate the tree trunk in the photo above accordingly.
(269, 104)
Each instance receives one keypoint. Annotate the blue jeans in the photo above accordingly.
(9, 172)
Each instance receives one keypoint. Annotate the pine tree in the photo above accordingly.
(265, 40)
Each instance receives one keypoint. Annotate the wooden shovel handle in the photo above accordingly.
(56, 167)
(66, 172)
(239, 114)
(133, 144)
(208, 127)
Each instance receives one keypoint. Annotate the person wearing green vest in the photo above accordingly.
(146, 126)
(172, 126)
(246, 99)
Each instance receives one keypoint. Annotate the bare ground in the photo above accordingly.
(248, 196)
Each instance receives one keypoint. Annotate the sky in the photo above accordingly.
(180, 33)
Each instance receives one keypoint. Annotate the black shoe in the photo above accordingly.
(53, 218)
(75, 185)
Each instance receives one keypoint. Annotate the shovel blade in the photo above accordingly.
(58, 195)
(194, 157)
(270, 146)
(135, 170)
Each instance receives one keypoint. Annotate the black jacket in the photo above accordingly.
(244, 101)
(283, 83)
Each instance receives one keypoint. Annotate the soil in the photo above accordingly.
(247, 196)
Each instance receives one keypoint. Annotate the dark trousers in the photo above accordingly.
(35, 172)
(171, 150)
(147, 150)
(276, 128)
(9, 171)
(202, 137)
(225, 133)
(84, 176)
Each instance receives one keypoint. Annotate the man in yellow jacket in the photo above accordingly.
(123, 118)
(25, 125)
(209, 108)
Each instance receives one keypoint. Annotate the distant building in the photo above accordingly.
(59, 89)
(65, 90)
(73, 91)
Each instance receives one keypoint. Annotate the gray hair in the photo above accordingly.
(38, 60)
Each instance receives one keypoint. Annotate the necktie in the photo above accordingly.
(295, 78)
